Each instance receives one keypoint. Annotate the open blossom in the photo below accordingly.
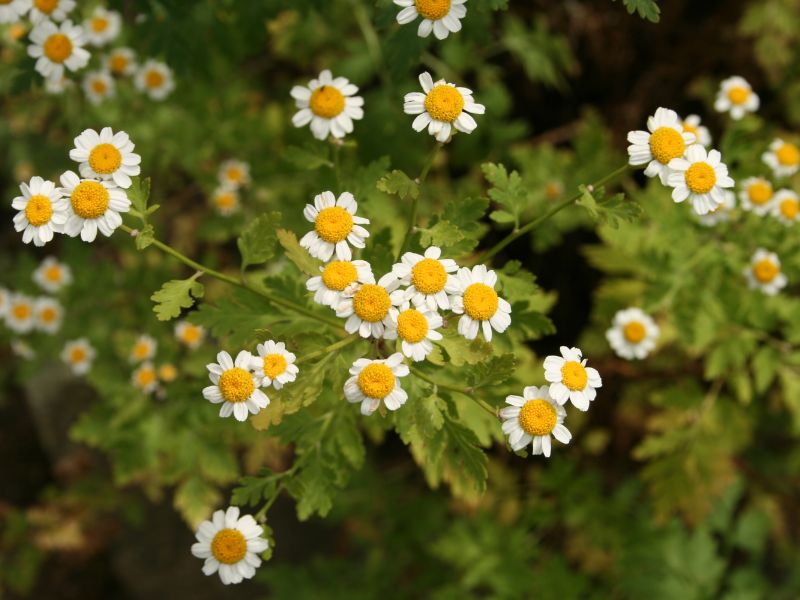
(665, 140)
(442, 107)
(441, 17)
(328, 104)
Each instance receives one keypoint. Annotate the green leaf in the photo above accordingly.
(139, 194)
(309, 157)
(257, 241)
(646, 9)
(176, 295)
(399, 184)
(508, 190)
(443, 234)
(253, 490)
(493, 371)
(195, 499)
(145, 237)
(465, 463)
(297, 254)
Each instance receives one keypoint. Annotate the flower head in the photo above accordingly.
(226, 201)
(103, 26)
(120, 62)
(21, 313)
(756, 195)
(49, 315)
(701, 177)
(339, 279)
(477, 301)
(764, 272)
(735, 96)
(143, 349)
(692, 124)
(782, 157)
(53, 10)
(336, 226)
(78, 355)
(570, 378)
(440, 16)
(274, 365)
(98, 86)
(366, 308)
(373, 381)
(328, 104)
(234, 174)
(664, 140)
(145, 378)
(92, 205)
(107, 156)
(189, 334)
(42, 211)
(786, 207)
(633, 334)
(12, 11)
(235, 386)
(155, 79)
(442, 107)
(427, 278)
(416, 328)
(532, 418)
(58, 47)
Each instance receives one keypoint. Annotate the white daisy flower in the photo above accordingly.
(21, 313)
(428, 278)
(442, 107)
(107, 156)
(12, 11)
(633, 334)
(92, 205)
(167, 373)
(22, 349)
(721, 213)
(478, 303)
(189, 334)
(49, 315)
(155, 79)
(103, 26)
(764, 272)
(234, 386)
(52, 275)
(786, 207)
(143, 349)
(736, 97)
(226, 201)
(415, 328)
(692, 124)
(42, 211)
(367, 310)
(335, 225)
(145, 378)
(329, 104)
(98, 86)
(664, 140)
(56, 47)
(120, 62)
(78, 355)
(274, 365)
(376, 380)
(570, 378)
(5, 302)
(339, 278)
(230, 545)
(234, 174)
(532, 418)
(701, 177)
(783, 158)
(756, 195)
(440, 16)
(54, 10)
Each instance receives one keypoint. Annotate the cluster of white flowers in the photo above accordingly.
(232, 177)
(146, 377)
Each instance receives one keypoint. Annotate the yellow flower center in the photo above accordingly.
(58, 47)
(326, 102)
(444, 103)
(226, 200)
(765, 270)
(634, 332)
(77, 355)
(371, 303)
(538, 417)
(236, 385)
(145, 377)
(376, 380)
(480, 302)
(689, 128)
(412, 326)
(666, 143)
(338, 274)
(574, 376)
(788, 155)
(48, 314)
(229, 546)
(99, 24)
(428, 276)
(700, 178)
(99, 87)
(167, 372)
(45, 6)
(53, 273)
(433, 9)
(154, 79)
(234, 174)
(191, 334)
(789, 208)
(141, 350)
(118, 63)
(105, 158)
(39, 210)
(89, 199)
(760, 192)
(738, 94)
(21, 311)
(333, 224)
(274, 365)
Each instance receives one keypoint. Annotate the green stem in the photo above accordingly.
(372, 41)
(412, 218)
(343, 343)
(470, 392)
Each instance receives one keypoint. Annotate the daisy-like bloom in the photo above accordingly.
(415, 327)
(427, 278)
(764, 272)
(692, 124)
(12, 11)
(234, 173)
(78, 355)
(439, 16)
(367, 310)
(339, 278)
(701, 177)
(145, 378)
(235, 386)
(15, 32)
(49, 315)
(329, 104)
(106, 155)
(144, 349)
(120, 62)
(92, 205)
(721, 213)
(189, 334)
(103, 26)
(21, 313)
(786, 207)
(54, 10)
(756, 195)
(225, 201)
(42, 211)
(376, 380)
(335, 226)
(633, 334)
(230, 545)
(56, 47)
(570, 378)
(532, 418)
(98, 86)
(664, 140)
(52, 275)
(736, 97)
(478, 303)
(274, 364)
(167, 373)
(155, 79)
(783, 158)
(442, 107)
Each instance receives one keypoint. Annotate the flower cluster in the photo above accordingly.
(232, 177)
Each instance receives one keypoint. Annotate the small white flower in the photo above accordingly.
(235, 386)
(167, 372)
(143, 349)
(721, 213)
(440, 16)
(21, 313)
(189, 334)
(52, 275)
(54, 10)
(756, 195)
(92, 206)
(415, 328)
(532, 418)
(339, 279)
(230, 545)
(329, 104)
(335, 226)
(700, 177)
(764, 272)
(98, 86)
(155, 79)
(13, 11)
(429, 278)
(374, 381)
(120, 62)
(42, 211)
(786, 207)
(226, 201)
(633, 334)
(49, 315)
(78, 355)
(367, 309)
(106, 155)
(664, 140)
(783, 158)
(103, 26)
(442, 107)
(478, 303)
(274, 365)
(737, 97)
(570, 378)
(692, 124)
(234, 174)
(145, 378)
(56, 47)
